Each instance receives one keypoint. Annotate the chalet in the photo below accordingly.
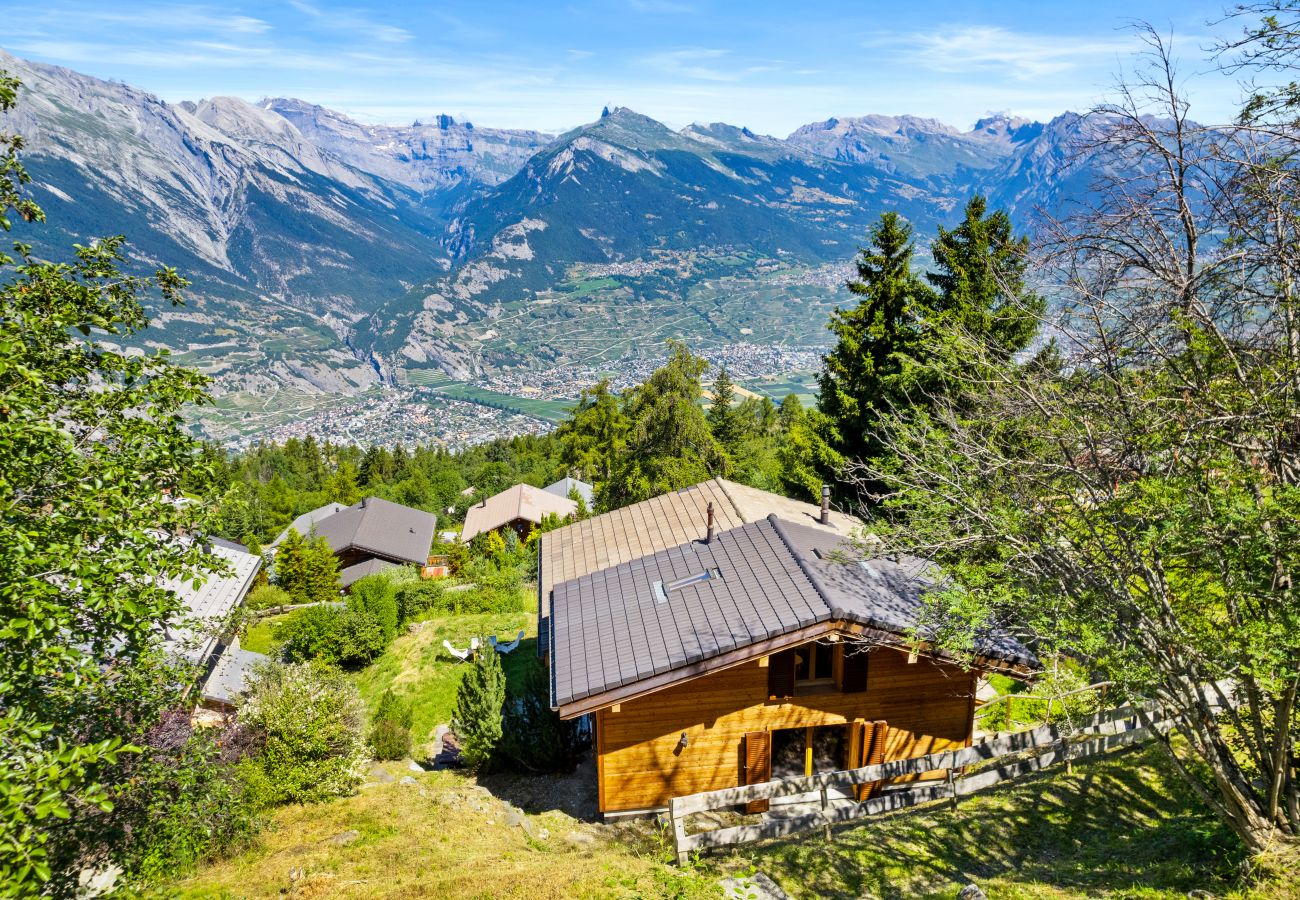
(369, 536)
(566, 487)
(521, 508)
(717, 653)
(199, 637)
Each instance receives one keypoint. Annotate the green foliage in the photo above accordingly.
(534, 737)
(310, 718)
(91, 444)
(669, 443)
(479, 701)
(390, 727)
(267, 596)
(417, 597)
(905, 346)
(595, 434)
(306, 568)
(375, 597)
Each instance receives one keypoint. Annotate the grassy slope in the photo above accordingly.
(418, 668)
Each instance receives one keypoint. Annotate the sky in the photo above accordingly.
(771, 65)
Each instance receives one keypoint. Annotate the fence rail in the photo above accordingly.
(1048, 744)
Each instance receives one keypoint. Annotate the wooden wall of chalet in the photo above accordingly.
(929, 707)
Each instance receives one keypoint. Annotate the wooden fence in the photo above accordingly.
(999, 759)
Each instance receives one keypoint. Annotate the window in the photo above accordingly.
(814, 664)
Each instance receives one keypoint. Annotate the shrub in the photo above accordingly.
(268, 596)
(360, 639)
(390, 729)
(415, 598)
(477, 719)
(534, 737)
(311, 719)
(311, 633)
(375, 597)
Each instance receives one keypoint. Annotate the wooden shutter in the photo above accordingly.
(780, 674)
(873, 755)
(758, 765)
(853, 679)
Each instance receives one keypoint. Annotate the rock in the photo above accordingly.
(97, 882)
(414, 766)
(381, 775)
(752, 887)
(513, 816)
(345, 837)
(580, 838)
(971, 892)
(407, 779)
(542, 834)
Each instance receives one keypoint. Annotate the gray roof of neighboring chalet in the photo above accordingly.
(624, 624)
(377, 526)
(206, 606)
(229, 677)
(566, 486)
(303, 524)
(353, 574)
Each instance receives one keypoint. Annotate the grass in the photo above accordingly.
(259, 637)
(442, 837)
(1121, 827)
(418, 668)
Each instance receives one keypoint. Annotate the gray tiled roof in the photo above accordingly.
(565, 486)
(229, 677)
(352, 574)
(609, 628)
(303, 524)
(194, 633)
(381, 527)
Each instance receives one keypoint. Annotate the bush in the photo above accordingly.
(534, 737)
(310, 718)
(311, 633)
(415, 598)
(268, 596)
(390, 729)
(375, 597)
(360, 638)
(477, 720)
(184, 799)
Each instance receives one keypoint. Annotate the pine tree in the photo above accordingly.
(866, 372)
(477, 719)
(291, 566)
(724, 418)
(594, 435)
(321, 570)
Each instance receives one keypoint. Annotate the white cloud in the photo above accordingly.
(1021, 56)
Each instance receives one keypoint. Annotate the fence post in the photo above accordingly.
(952, 788)
(825, 808)
(679, 831)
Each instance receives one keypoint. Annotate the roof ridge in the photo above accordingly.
(722, 486)
(803, 566)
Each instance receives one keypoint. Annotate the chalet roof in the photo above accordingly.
(229, 677)
(523, 501)
(373, 566)
(565, 486)
(673, 609)
(303, 524)
(668, 520)
(206, 606)
(380, 527)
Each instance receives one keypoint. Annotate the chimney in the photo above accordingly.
(826, 504)
(708, 535)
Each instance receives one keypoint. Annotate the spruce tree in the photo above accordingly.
(291, 566)
(723, 416)
(477, 719)
(868, 370)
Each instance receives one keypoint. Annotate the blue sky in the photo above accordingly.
(769, 65)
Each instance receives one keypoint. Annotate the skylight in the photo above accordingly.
(661, 590)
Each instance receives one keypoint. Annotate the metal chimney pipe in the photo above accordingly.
(826, 504)
(708, 535)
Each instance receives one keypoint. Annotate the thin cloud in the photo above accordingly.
(1021, 56)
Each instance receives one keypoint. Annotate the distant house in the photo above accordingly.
(765, 646)
(370, 536)
(520, 507)
(566, 486)
(198, 637)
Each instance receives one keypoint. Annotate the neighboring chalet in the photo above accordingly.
(370, 536)
(520, 508)
(199, 637)
(565, 487)
(761, 647)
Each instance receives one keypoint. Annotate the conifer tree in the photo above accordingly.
(724, 418)
(291, 566)
(477, 719)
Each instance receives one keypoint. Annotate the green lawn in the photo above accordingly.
(258, 638)
(418, 668)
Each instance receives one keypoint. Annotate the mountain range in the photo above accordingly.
(328, 254)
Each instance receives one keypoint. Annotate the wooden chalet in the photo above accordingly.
(520, 508)
(761, 647)
(370, 536)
